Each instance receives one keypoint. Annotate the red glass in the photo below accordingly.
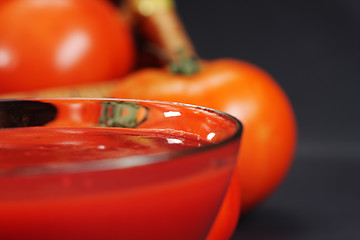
(112, 169)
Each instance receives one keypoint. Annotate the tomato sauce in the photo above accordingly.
(48, 191)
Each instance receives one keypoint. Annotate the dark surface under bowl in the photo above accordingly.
(318, 200)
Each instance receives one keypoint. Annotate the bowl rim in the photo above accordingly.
(120, 162)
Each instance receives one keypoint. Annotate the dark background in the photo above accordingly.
(312, 48)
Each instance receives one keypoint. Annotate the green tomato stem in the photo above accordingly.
(160, 24)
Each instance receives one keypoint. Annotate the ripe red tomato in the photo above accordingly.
(50, 43)
(246, 92)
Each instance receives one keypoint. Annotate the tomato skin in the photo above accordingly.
(60, 43)
(248, 93)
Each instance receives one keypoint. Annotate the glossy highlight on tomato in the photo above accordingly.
(47, 44)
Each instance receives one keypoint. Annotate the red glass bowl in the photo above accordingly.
(112, 168)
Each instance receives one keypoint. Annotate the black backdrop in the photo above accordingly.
(312, 48)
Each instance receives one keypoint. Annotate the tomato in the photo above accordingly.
(248, 93)
(50, 43)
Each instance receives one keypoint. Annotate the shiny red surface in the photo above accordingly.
(176, 199)
(60, 43)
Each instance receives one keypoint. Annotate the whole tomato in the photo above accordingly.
(50, 43)
(248, 93)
